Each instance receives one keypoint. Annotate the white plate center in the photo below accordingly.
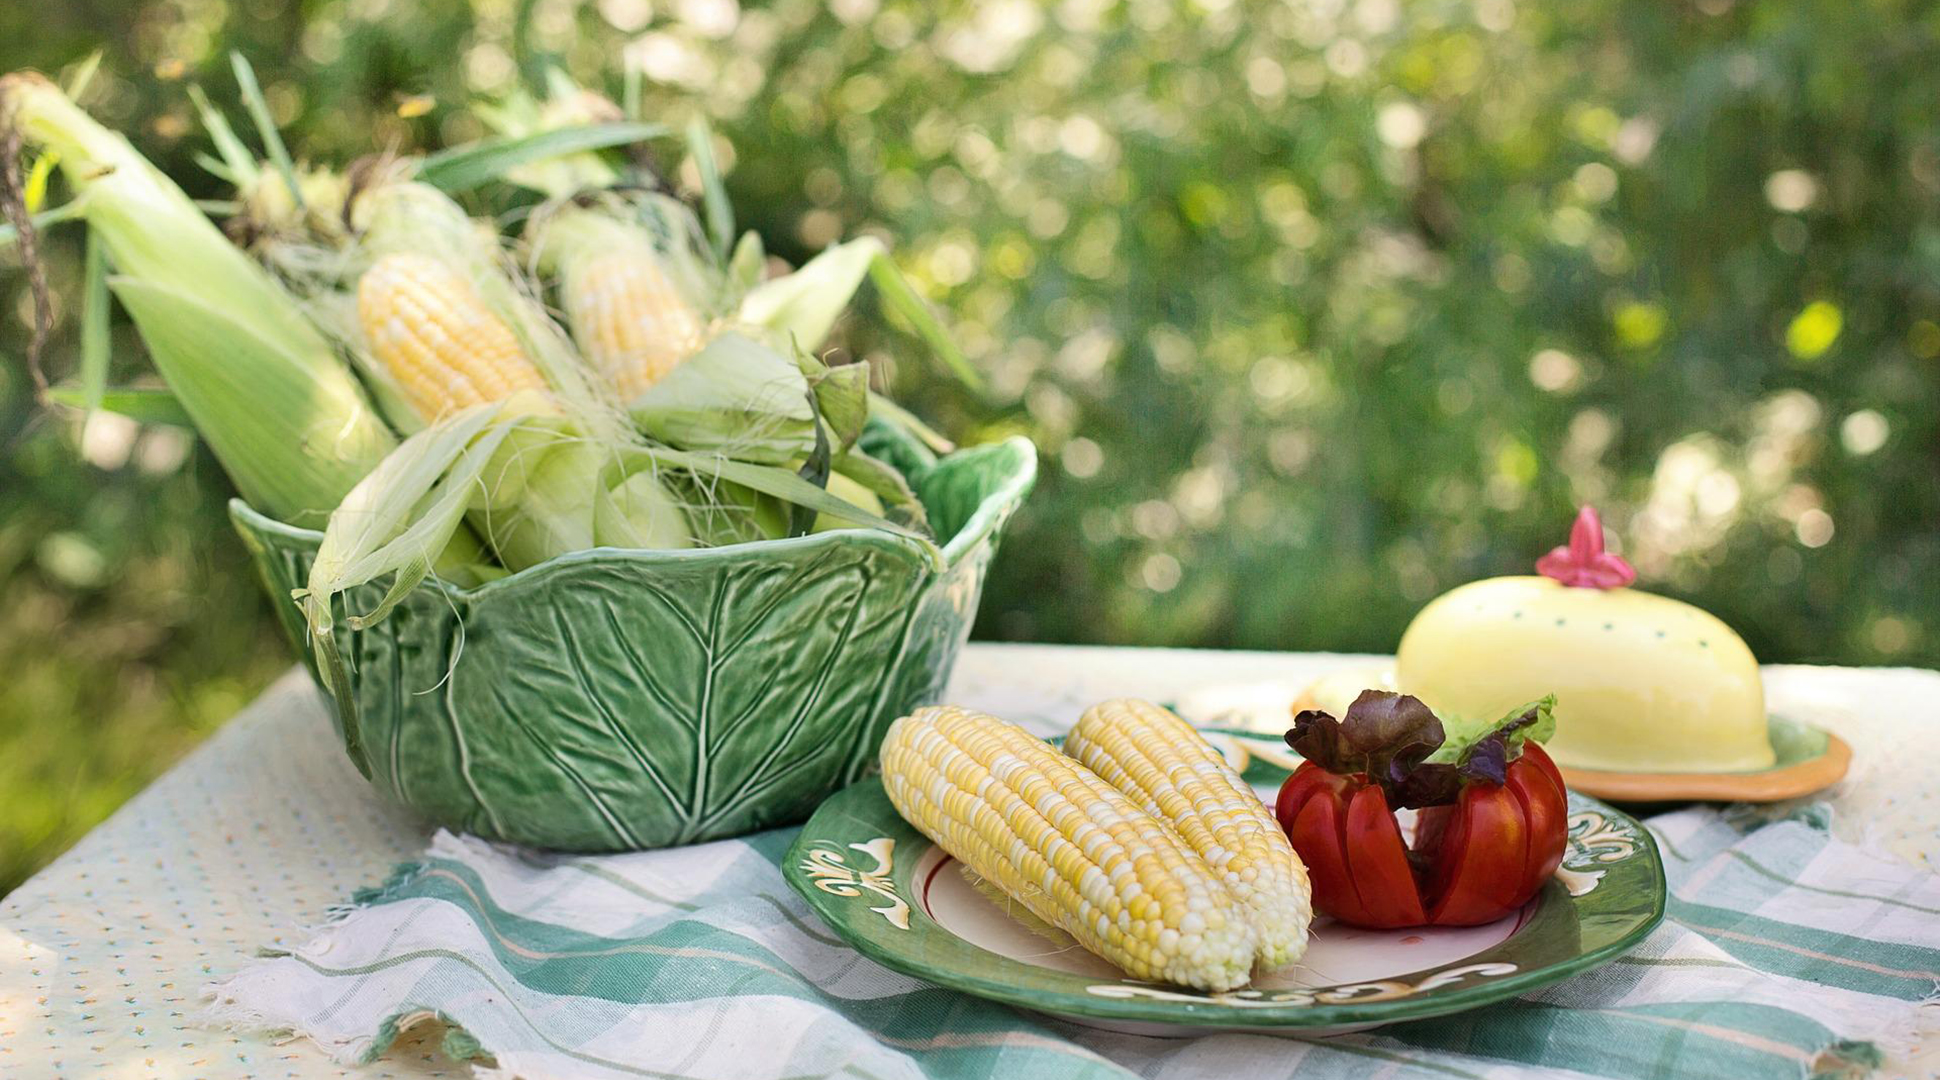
(1336, 955)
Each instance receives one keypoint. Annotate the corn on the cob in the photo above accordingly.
(1169, 770)
(629, 319)
(1068, 846)
(443, 347)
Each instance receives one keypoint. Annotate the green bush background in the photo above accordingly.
(1315, 309)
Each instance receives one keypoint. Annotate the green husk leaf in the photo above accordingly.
(746, 265)
(67, 211)
(236, 159)
(398, 518)
(82, 76)
(462, 168)
(149, 405)
(804, 305)
(901, 297)
(287, 432)
(886, 483)
(842, 397)
(258, 109)
(816, 471)
(886, 409)
(736, 396)
(770, 480)
(94, 323)
(720, 212)
(217, 168)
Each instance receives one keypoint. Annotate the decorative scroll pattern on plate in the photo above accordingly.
(832, 874)
(1595, 839)
(1302, 997)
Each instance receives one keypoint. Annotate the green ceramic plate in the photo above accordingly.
(901, 901)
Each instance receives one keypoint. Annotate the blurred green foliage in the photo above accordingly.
(1315, 308)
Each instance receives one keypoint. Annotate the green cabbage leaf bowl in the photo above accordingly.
(615, 700)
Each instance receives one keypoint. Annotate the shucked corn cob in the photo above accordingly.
(1071, 848)
(1158, 760)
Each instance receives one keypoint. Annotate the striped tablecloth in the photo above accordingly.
(1801, 940)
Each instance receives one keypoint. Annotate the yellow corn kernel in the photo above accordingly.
(1068, 846)
(628, 317)
(440, 343)
(1168, 769)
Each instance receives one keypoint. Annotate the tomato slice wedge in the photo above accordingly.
(1299, 787)
(1534, 752)
(1546, 810)
(1317, 834)
(1379, 861)
(1479, 867)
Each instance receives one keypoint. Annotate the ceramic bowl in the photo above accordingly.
(615, 700)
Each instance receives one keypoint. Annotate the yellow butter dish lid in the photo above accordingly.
(1643, 683)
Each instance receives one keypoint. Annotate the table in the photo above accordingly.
(263, 829)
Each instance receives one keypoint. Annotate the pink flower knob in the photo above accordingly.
(1584, 564)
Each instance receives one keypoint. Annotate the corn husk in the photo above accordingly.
(554, 500)
(280, 409)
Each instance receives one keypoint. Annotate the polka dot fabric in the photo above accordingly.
(103, 954)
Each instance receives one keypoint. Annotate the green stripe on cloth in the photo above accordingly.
(1705, 1038)
(1891, 969)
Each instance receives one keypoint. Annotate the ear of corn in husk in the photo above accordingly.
(522, 113)
(510, 430)
(444, 324)
(631, 316)
(280, 409)
(637, 307)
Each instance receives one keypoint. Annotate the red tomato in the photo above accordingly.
(1476, 859)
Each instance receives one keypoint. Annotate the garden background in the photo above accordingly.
(1315, 309)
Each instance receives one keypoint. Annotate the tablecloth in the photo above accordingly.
(265, 829)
